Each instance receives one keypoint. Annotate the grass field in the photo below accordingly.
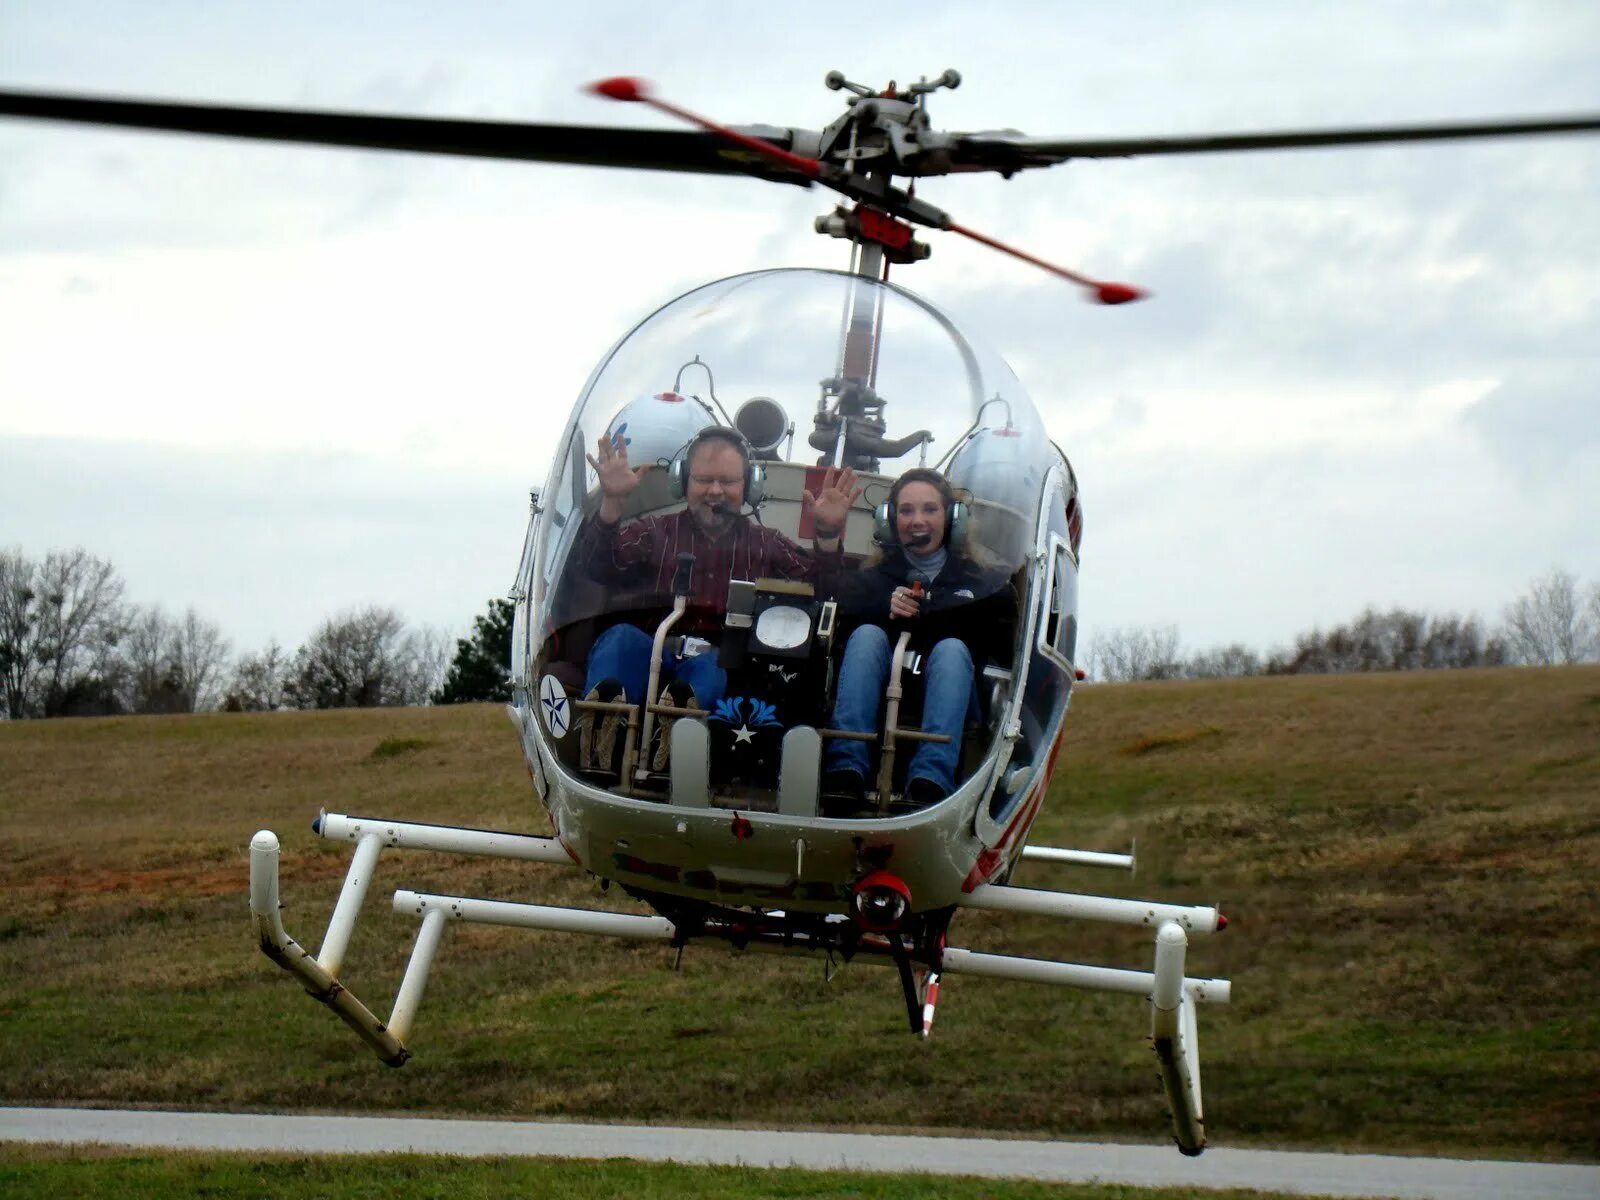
(62, 1175)
(1411, 864)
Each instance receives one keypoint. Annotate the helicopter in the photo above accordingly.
(728, 836)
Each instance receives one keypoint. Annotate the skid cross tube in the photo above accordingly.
(870, 949)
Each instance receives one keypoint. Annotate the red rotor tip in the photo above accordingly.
(621, 87)
(1117, 293)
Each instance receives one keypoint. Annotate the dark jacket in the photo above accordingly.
(965, 601)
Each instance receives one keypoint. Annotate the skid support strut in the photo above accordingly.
(1174, 1033)
(320, 975)
(282, 949)
(1173, 996)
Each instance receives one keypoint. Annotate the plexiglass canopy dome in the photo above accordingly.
(786, 355)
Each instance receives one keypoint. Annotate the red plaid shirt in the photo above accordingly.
(645, 551)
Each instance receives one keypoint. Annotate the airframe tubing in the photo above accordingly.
(282, 949)
(1193, 918)
(535, 916)
(659, 929)
(1081, 858)
(1098, 979)
(450, 839)
(415, 980)
(1175, 1036)
(319, 976)
(343, 922)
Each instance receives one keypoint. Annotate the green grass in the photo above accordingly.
(1411, 864)
(57, 1174)
(393, 747)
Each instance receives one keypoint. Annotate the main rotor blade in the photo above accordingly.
(1007, 151)
(600, 146)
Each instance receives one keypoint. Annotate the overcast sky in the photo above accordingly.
(277, 382)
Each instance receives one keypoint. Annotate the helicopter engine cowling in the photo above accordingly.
(654, 428)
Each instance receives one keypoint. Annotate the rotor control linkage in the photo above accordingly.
(871, 189)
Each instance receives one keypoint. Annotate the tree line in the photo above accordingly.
(1555, 622)
(71, 644)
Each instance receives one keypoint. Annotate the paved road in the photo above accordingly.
(1149, 1166)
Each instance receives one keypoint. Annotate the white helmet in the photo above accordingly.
(654, 428)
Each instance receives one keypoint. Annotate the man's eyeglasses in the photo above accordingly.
(706, 481)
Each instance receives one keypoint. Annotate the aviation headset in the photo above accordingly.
(955, 511)
(755, 475)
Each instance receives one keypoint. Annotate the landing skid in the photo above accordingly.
(918, 953)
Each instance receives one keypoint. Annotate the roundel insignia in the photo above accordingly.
(555, 706)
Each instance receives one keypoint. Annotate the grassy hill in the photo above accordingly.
(1411, 864)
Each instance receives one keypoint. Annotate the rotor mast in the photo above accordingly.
(849, 426)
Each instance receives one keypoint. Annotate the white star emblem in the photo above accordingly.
(743, 734)
(553, 697)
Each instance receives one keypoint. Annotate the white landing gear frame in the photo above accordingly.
(1173, 996)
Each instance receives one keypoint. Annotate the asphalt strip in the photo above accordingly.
(1310, 1174)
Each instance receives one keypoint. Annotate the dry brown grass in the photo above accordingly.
(1412, 864)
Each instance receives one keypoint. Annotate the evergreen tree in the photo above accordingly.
(482, 666)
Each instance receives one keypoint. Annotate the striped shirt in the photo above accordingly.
(645, 552)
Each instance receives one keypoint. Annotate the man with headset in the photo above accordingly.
(924, 582)
(717, 475)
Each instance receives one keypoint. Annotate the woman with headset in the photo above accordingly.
(924, 581)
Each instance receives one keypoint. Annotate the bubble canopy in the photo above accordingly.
(796, 339)
(815, 368)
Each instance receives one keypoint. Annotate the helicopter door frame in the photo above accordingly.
(1041, 573)
(1049, 640)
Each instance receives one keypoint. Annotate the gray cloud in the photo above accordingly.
(268, 544)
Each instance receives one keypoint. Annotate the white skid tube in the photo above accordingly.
(282, 949)
(536, 916)
(1176, 1038)
(449, 839)
(319, 975)
(1173, 1030)
(1173, 995)
(1194, 918)
(1078, 858)
(1077, 975)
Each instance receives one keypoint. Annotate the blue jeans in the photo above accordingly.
(623, 653)
(948, 697)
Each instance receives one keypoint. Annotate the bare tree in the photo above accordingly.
(429, 651)
(148, 686)
(1234, 661)
(19, 660)
(258, 681)
(60, 621)
(1592, 612)
(365, 659)
(1550, 624)
(1135, 653)
(196, 654)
